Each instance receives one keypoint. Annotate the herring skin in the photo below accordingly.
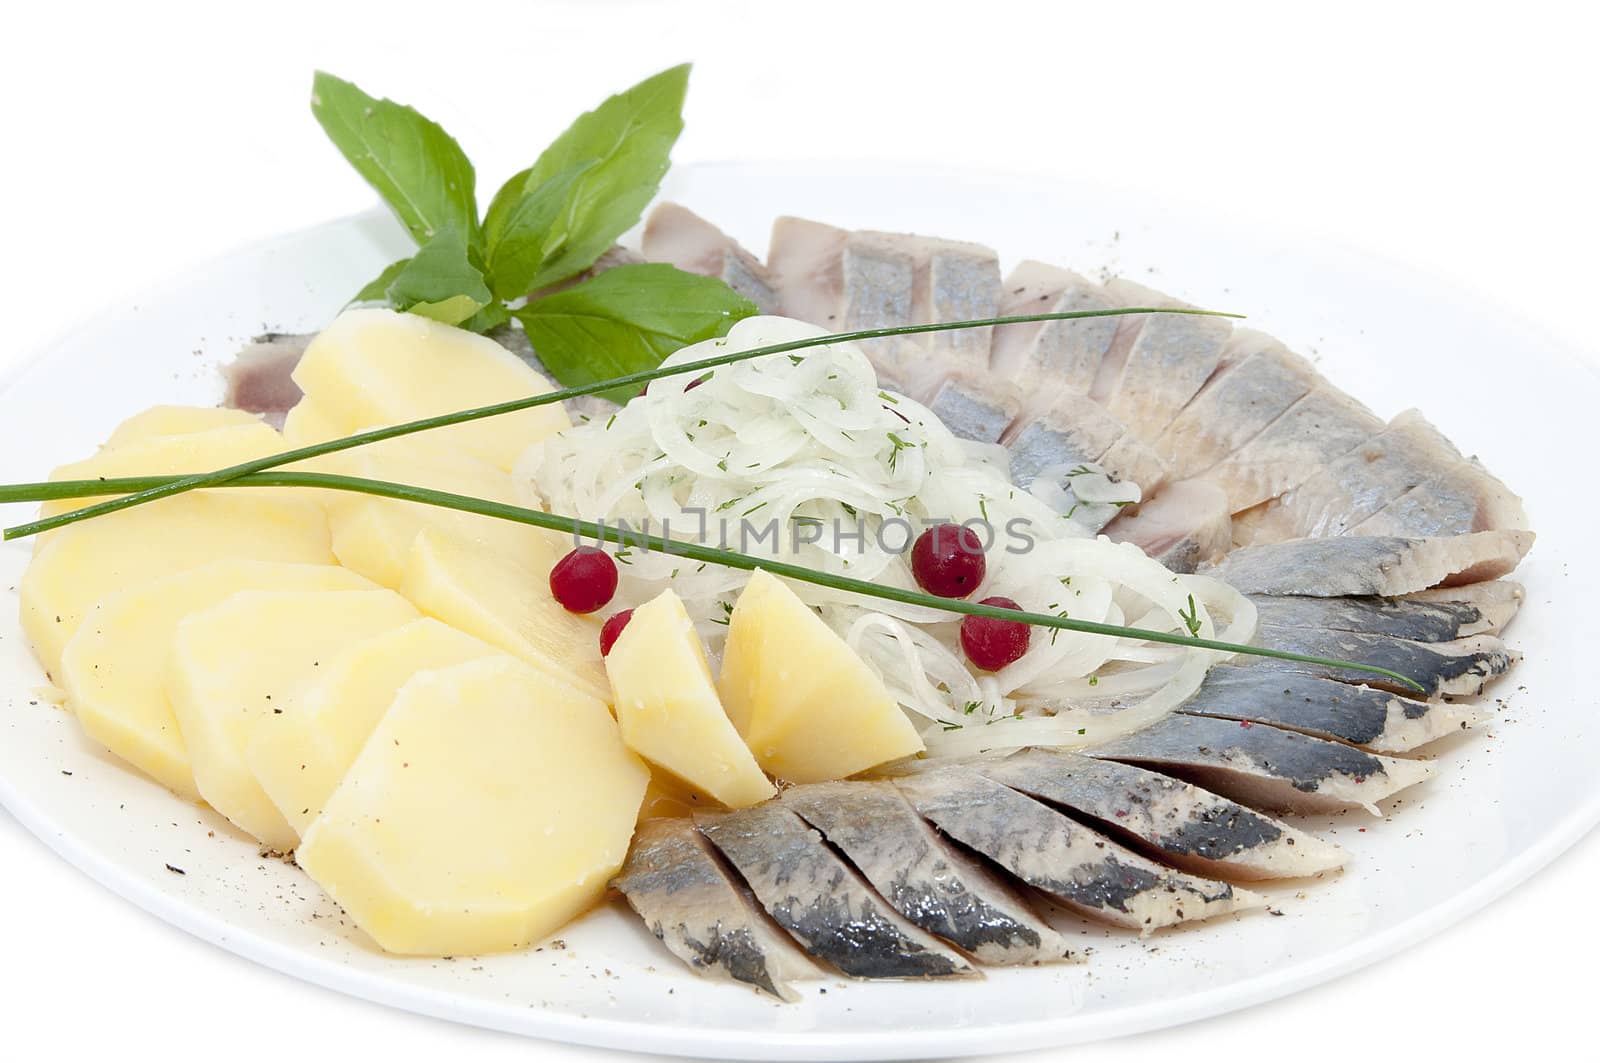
(702, 914)
(931, 883)
(821, 900)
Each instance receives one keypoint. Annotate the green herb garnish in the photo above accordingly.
(544, 227)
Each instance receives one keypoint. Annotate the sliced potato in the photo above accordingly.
(491, 805)
(374, 535)
(299, 756)
(375, 367)
(251, 656)
(199, 451)
(114, 669)
(668, 709)
(808, 706)
(84, 562)
(177, 421)
(506, 602)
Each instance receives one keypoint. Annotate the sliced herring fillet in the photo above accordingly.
(1236, 404)
(1189, 827)
(1497, 601)
(931, 883)
(1166, 362)
(1131, 458)
(258, 379)
(1469, 501)
(703, 914)
(1266, 767)
(896, 279)
(1460, 668)
(1074, 865)
(1184, 526)
(976, 406)
(1364, 565)
(1320, 426)
(1051, 356)
(805, 259)
(678, 235)
(821, 901)
(1379, 720)
(1399, 618)
(1407, 480)
(1073, 431)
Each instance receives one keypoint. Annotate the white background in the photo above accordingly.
(1458, 138)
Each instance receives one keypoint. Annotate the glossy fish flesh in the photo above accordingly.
(1399, 618)
(1266, 767)
(1363, 565)
(931, 883)
(1185, 825)
(821, 900)
(704, 915)
(1072, 864)
(1379, 720)
(679, 236)
(1460, 668)
(1236, 404)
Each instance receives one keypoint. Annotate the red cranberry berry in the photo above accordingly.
(947, 560)
(584, 580)
(611, 630)
(992, 643)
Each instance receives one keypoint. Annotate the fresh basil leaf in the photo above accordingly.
(526, 226)
(490, 317)
(418, 168)
(628, 138)
(441, 282)
(377, 290)
(626, 320)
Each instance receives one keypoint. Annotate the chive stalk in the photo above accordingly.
(376, 435)
(37, 492)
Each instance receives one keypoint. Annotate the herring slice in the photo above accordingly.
(1399, 618)
(822, 901)
(1081, 868)
(678, 235)
(1496, 600)
(1371, 564)
(1459, 668)
(931, 883)
(703, 914)
(1378, 720)
(1191, 828)
(1320, 426)
(1167, 361)
(1265, 767)
(1185, 525)
(1049, 357)
(1262, 380)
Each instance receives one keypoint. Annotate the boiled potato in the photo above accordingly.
(506, 602)
(191, 452)
(374, 535)
(307, 424)
(299, 756)
(82, 563)
(668, 709)
(251, 656)
(808, 706)
(375, 367)
(491, 805)
(114, 669)
(176, 421)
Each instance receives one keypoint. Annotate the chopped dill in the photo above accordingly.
(1191, 619)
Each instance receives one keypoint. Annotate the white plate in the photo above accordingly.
(1505, 803)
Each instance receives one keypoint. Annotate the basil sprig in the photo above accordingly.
(543, 228)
